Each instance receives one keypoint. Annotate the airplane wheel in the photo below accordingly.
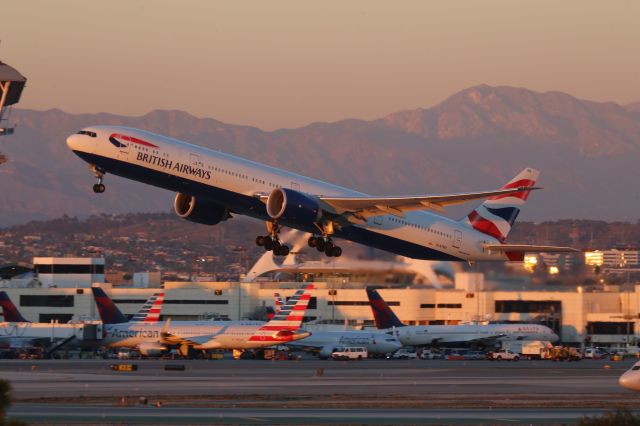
(99, 188)
(336, 251)
(283, 251)
(268, 244)
(260, 240)
(276, 246)
(320, 245)
(328, 247)
(312, 241)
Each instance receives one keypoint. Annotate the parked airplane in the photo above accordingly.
(155, 338)
(20, 332)
(211, 186)
(324, 343)
(631, 378)
(440, 335)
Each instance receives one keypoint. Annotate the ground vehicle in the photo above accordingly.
(353, 352)
(403, 353)
(531, 349)
(562, 353)
(594, 353)
(473, 355)
(429, 354)
(505, 355)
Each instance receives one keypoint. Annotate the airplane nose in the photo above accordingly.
(626, 381)
(72, 142)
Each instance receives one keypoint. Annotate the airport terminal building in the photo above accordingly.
(578, 315)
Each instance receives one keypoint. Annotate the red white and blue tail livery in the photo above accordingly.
(496, 216)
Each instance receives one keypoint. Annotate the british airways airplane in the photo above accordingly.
(211, 186)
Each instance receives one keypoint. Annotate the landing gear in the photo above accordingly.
(272, 242)
(99, 187)
(326, 245)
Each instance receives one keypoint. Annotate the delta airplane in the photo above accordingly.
(631, 378)
(212, 186)
(153, 338)
(323, 343)
(442, 335)
(20, 332)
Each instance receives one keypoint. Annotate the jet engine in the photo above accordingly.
(151, 349)
(293, 206)
(325, 352)
(200, 210)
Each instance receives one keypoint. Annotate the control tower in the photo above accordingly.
(11, 85)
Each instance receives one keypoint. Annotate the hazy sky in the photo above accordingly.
(288, 63)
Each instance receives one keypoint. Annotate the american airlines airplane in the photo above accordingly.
(153, 338)
(443, 335)
(212, 186)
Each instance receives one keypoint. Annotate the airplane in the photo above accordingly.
(323, 343)
(156, 337)
(211, 186)
(20, 332)
(447, 335)
(631, 378)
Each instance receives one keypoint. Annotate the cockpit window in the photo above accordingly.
(88, 133)
(636, 367)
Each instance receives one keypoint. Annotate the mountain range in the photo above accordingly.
(588, 154)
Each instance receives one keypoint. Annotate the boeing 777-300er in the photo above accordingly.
(323, 343)
(631, 378)
(156, 337)
(447, 335)
(211, 186)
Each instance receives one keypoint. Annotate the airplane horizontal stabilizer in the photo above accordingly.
(525, 248)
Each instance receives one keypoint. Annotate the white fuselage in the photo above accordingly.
(443, 334)
(631, 378)
(202, 334)
(376, 342)
(236, 183)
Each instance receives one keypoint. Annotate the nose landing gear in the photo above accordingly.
(99, 187)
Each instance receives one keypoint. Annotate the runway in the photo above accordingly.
(369, 391)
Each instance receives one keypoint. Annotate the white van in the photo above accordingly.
(354, 352)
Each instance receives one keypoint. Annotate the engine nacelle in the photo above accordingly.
(293, 206)
(151, 349)
(326, 351)
(201, 210)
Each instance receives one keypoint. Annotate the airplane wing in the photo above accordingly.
(363, 207)
(525, 248)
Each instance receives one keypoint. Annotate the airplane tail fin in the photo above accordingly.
(382, 313)
(9, 310)
(109, 312)
(497, 214)
(150, 311)
(284, 325)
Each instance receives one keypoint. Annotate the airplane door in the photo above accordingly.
(194, 160)
(123, 151)
(457, 238)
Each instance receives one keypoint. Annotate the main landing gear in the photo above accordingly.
(271, 242)
(99, 187)
(326, 245)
